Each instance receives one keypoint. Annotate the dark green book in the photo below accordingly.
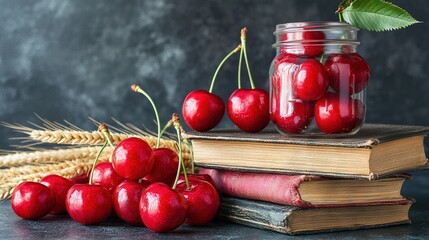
(295, 220)
(375, 151)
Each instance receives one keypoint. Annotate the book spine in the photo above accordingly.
(278, 218)
(256, 214)
(275, 188)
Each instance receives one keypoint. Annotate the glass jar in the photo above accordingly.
(317, 79)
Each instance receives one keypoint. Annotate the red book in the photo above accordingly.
(308, 191)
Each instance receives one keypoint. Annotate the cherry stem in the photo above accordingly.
(240, 62)
(220, 65)
(176, 124)
(138, 89)
(169, 124)
(321, 59)
(243, 44)
(105, 131)
(95, 161)
(185, 141)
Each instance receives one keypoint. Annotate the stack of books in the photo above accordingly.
(312, 184)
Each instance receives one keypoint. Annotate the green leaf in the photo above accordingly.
(377, 15)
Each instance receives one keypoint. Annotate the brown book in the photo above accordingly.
(376, 150)
(308, 191)
(295, 220)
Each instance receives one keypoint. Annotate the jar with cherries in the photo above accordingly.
(317, 79)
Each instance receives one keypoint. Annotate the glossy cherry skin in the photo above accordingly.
(126, 200)
(307, 48)
(294, 116)
(348, 73)
(335, 115)
(162, 209)
(32, 200)
(132, 158)
(202, 110)
(165, 166)
(248, 109)
(203, 202)
(89, 204)
(81, 178)
(196, 177)
(310, 82)
(286, 58)
(106, 176)
(59, 185)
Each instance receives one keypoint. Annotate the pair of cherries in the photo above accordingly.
(34, 200)
(301, 86)
(248, 109)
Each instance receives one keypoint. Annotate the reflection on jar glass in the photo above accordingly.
(317, 79)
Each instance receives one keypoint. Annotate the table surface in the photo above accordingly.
(62, 227)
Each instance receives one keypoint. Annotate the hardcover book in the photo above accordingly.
(308, 191)
(375, 151)
(295, 220)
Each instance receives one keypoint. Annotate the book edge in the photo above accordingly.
(371, 176)
(370, 142)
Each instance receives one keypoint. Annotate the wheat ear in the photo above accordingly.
(30, 172)
(49, 156)
(9, 173)
(66, 170)
(5, 193)
(93, 138)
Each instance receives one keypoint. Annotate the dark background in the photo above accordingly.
(74, 59)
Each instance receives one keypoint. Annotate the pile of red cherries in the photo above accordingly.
(141, 185)
(136, 186)
(309, 82)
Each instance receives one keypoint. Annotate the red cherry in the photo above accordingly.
(162, 209)
(202, 110)
(310, 82)
(294, 116)
(106, 176)
(348, 73)
(132, 158)
(32, 200)
(89, 204)
(126, 199)
(308, 46)
(196, 177)
(81, 178)
(248, 109)
(286, 58)
(280, 82)
(165, 166)
(334, 114)
(203, 202)
(59, 185)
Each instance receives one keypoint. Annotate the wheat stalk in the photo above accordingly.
(76, 137)
(5, 192)
(50, 156)
(67, 171)
(10, 173)
(66, 168)
(57, 133)
(94, 138)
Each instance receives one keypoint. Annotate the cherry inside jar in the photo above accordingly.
(317, 79)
